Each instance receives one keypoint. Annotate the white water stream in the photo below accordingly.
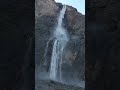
(60, 41)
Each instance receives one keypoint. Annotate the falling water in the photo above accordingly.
(51, 68)
(60, 40)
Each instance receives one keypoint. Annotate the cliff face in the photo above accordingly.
(75, 20)
(45, 7)
(46, 20)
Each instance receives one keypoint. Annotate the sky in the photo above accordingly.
(78, 4)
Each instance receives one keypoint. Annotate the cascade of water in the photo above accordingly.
(46, 50)
(60, 41)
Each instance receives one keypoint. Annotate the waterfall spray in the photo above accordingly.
(60, 40)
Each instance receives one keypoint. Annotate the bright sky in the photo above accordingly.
(78, 4)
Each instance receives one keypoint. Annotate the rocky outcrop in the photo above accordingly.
(45, 18)
(45, 7)
(75, 20)
(49, 85)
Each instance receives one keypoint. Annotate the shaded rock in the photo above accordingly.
(45, 7)
(48, 85)
(75, 20)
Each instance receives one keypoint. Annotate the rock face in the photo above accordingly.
(75, 20)
(45, 15)
(46, 20)
(45, 7)
(47, 85)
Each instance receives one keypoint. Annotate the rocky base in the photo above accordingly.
(51, 85)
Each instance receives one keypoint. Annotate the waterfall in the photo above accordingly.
(60, 40)
(57, 60)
